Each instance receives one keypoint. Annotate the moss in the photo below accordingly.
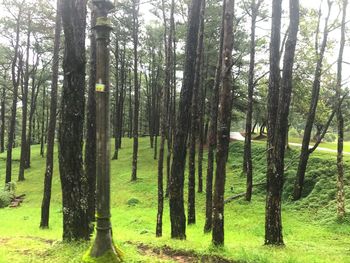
(108, 257)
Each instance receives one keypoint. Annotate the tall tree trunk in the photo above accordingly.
(116, 101)
(224, 119)
(16, 68)
(136, 6)
(273, 223)
(280, 96)
(45, 205)
(24, 106)
(120, 105)
(31, 122)
(130, 107)
(247, 161)
(73, 180)
(213, 132)
(201, 113)
(2, 113)
(42, 133)
(304, 155)
(191, 217)
(90, 143)
(340, 119)
(176, 198)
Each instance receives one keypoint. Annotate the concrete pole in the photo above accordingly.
(103, 246)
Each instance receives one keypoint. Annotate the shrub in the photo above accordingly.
(5, 198)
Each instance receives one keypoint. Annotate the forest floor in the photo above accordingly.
(311, 230)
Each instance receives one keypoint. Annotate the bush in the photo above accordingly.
(7, 194)
(5, 198)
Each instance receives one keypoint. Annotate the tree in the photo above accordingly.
(247, 160)
(90, 144)
(340, 119)
(70, 136)
(2, 114)
(176, 185)
(163, 115)
(305, 151)
(16, 69)
(195, 123)
(224, 120)
(213, 131)
(24, 105)
(279, 97)
(135, 132)
(45, 205)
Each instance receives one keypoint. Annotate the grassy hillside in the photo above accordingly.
(311, 231)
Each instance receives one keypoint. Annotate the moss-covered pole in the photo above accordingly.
(103, 249)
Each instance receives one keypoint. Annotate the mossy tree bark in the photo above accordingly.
(176, 185)
(73, 179)
(279, 97)
(340, 119)
(224, 121)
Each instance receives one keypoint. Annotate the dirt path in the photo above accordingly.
(180, 256)
(319, 148)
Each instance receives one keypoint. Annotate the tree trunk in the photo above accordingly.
(136, 6)
(224, 119)
(213, 132)
(273, 223)
(116, 102)
(280, 96)
(2, 113)
(73, 180)
(202, 113)
(191, 217)
(24, 106)
(247, 161)
(16, 69)
(42, 133)
(304, 155)
(90, 143)
(31, 121)
(45, 205)
(340, 119)
(176, 198)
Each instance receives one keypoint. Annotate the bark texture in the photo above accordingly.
(213, 133)
(176, 186)
(45, 205)
(224, 120)
(279, 94)
(73, 179)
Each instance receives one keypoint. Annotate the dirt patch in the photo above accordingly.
(181, 256)
(3, 241)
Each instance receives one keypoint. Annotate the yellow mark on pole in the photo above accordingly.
(100, 87)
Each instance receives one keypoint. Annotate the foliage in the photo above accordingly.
(310, 228)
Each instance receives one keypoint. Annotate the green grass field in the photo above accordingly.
(311, 231)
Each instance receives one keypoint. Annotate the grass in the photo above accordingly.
(328, 145)
(311, 231)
